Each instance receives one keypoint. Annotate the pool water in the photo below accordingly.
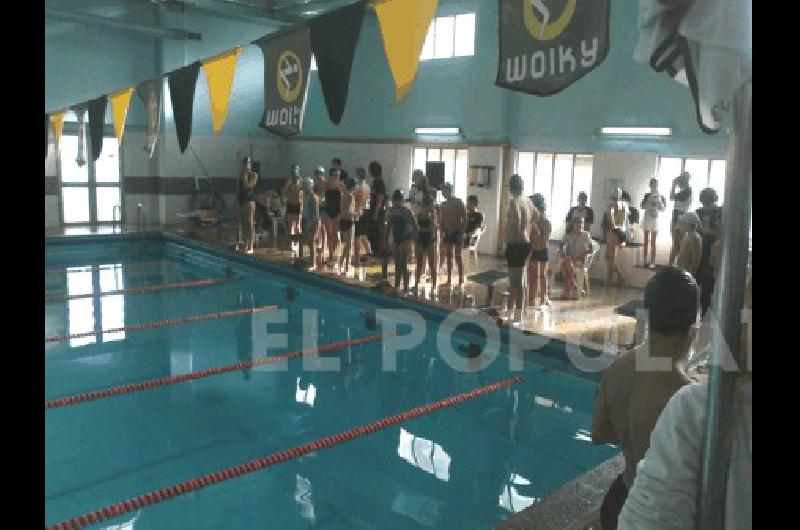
(466, 466)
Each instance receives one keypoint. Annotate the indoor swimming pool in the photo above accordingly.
(137, 314)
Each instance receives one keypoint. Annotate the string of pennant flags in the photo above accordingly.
(540, 53)
(331, 38)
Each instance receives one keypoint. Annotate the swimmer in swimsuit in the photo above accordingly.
(683, 201)
(293, 191)
(313, 227)
(454, 222)
(426, 241)
(333, 209)
(537, 268)
(347, 224)
(616, 223)
(403, 227)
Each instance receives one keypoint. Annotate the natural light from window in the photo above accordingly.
(451, 36)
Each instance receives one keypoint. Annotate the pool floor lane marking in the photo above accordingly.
(171, 380)
(165, 323)
(143, 289)
(257, 464)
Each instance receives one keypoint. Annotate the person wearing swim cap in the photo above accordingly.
(403, 227)
(454, 223)
(426, 242)
(537, 268)
(313, 222)
(682, 202)
(653, 204)
(691, 249)
(247, 202)
(520, 216)
(333, 208)
(361, 196)
(377, 207)
(710, 224)
(632, 394)
(293, 192)
(347, 225)
(616, 224)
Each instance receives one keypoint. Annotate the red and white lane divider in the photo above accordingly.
(165, 323)
(257, 464)
(132, 264)
(143, 289)
(171, 380)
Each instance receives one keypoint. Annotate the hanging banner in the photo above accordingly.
(181, 91)
(80, 114)
(120, 100)
(97, 118)
(219, 72)
(150, 94)
(287, 61)
(404, 25)
(58, 123)
(333, 41)
(546, 45)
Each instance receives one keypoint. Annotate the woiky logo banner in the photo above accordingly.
(287, 61)
(546, 45)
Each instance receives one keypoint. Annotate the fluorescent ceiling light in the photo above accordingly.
(437, 130)
(637, 131)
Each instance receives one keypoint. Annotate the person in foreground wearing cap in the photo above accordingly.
(537, 268)
(683, 201)
(634, 390)
(692, 246)
(520, 217)
(454, 222)
(615, 223)
(293, 192)
(403, 227)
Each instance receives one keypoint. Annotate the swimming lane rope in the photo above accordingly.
(257, 464)
(165, 323)
(171, 380)
(143, 289)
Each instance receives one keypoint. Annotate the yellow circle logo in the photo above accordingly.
(290, 76)
(546, 30)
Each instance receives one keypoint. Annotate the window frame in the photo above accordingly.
(91, 185)
(432, 34)
(441, 147)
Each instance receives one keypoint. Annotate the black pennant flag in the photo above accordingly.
(97, 118)
(333, 41)
(287, 60)
(181, 91)
(546, 46)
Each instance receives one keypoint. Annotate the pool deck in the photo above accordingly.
(591, 321)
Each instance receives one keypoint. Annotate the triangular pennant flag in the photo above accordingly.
(80, 114)
(219, 74)
(404, 25)
(97, 118)
(58, 122)
(120, 101)
(150, 94)
(46, 133)
(333, 41)
(181, 91)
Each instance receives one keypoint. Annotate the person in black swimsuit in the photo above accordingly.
(710, 224)
(333, 209)
(247, 202)
(426, 241)
(346, 225)
(377, 208)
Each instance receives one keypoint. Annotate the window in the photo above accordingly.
(559, 177)
(455, 166)
(90, 193)
(452, 36)
(706, 173)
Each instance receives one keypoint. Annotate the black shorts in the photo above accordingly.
(345, 225)
(453, 238)
(540, 255)
(293, 209)
(517, 254)
(362, 226)
(621, 235)
(425, 239)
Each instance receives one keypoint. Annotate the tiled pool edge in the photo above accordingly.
(555, 348)
(574, 506)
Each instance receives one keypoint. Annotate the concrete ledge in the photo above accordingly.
(574, 506)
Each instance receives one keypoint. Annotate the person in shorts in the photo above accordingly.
(520, 216)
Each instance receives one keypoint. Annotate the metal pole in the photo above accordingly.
(727, 305)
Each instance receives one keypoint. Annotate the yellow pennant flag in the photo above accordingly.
(119, 107)
(58, 123)
(219, 74)
(404, 25)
